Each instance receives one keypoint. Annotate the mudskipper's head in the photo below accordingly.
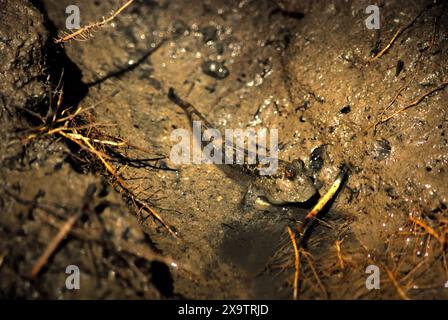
(290, 184)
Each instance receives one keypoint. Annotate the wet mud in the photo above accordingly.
(300, 67)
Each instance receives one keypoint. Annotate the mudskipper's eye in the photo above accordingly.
(290, 172)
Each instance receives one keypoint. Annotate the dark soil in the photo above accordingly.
(298, 66)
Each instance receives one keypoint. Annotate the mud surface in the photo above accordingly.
(297, 66)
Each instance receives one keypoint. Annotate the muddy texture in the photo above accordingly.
(23, 37)
(300, 67)
(42, 186)
(22, 78)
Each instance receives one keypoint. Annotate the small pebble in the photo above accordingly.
(215, 69)
(346, 109)
(317, 159)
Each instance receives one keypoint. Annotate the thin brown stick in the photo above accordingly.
(388, 45)
(396, 35)
(2, 259)
(395, 283)
(326, 197)
(154, 214)
(428, 229)
(101, 156)
(125, 186)
(63, 232)
(311, 216)
(296, 264)
(53, 245)
(413, 103)
(337, 244)
(309, 259)
(84, 147)
(437, 25)
(84, 31)
(105, 142)
(60, 97)
(386, 108)
(445, 264)
(413, 271)
(139, 250)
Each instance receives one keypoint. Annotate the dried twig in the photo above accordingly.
(88, 140)
(396, 35)
(374, 125)
(437, 25)
(311, 216)
(428, 229)
(388, 45)
(328, 196)
(101, 156)
(296, 264)
(2, 259)
(47, 212)
(395, 283)
(415, 102)
(337, 245)
(85, 31)
(412, 272)
(309, 259)
(63, 232)
(54, 244)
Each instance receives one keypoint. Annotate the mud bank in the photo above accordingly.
(300, 67)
